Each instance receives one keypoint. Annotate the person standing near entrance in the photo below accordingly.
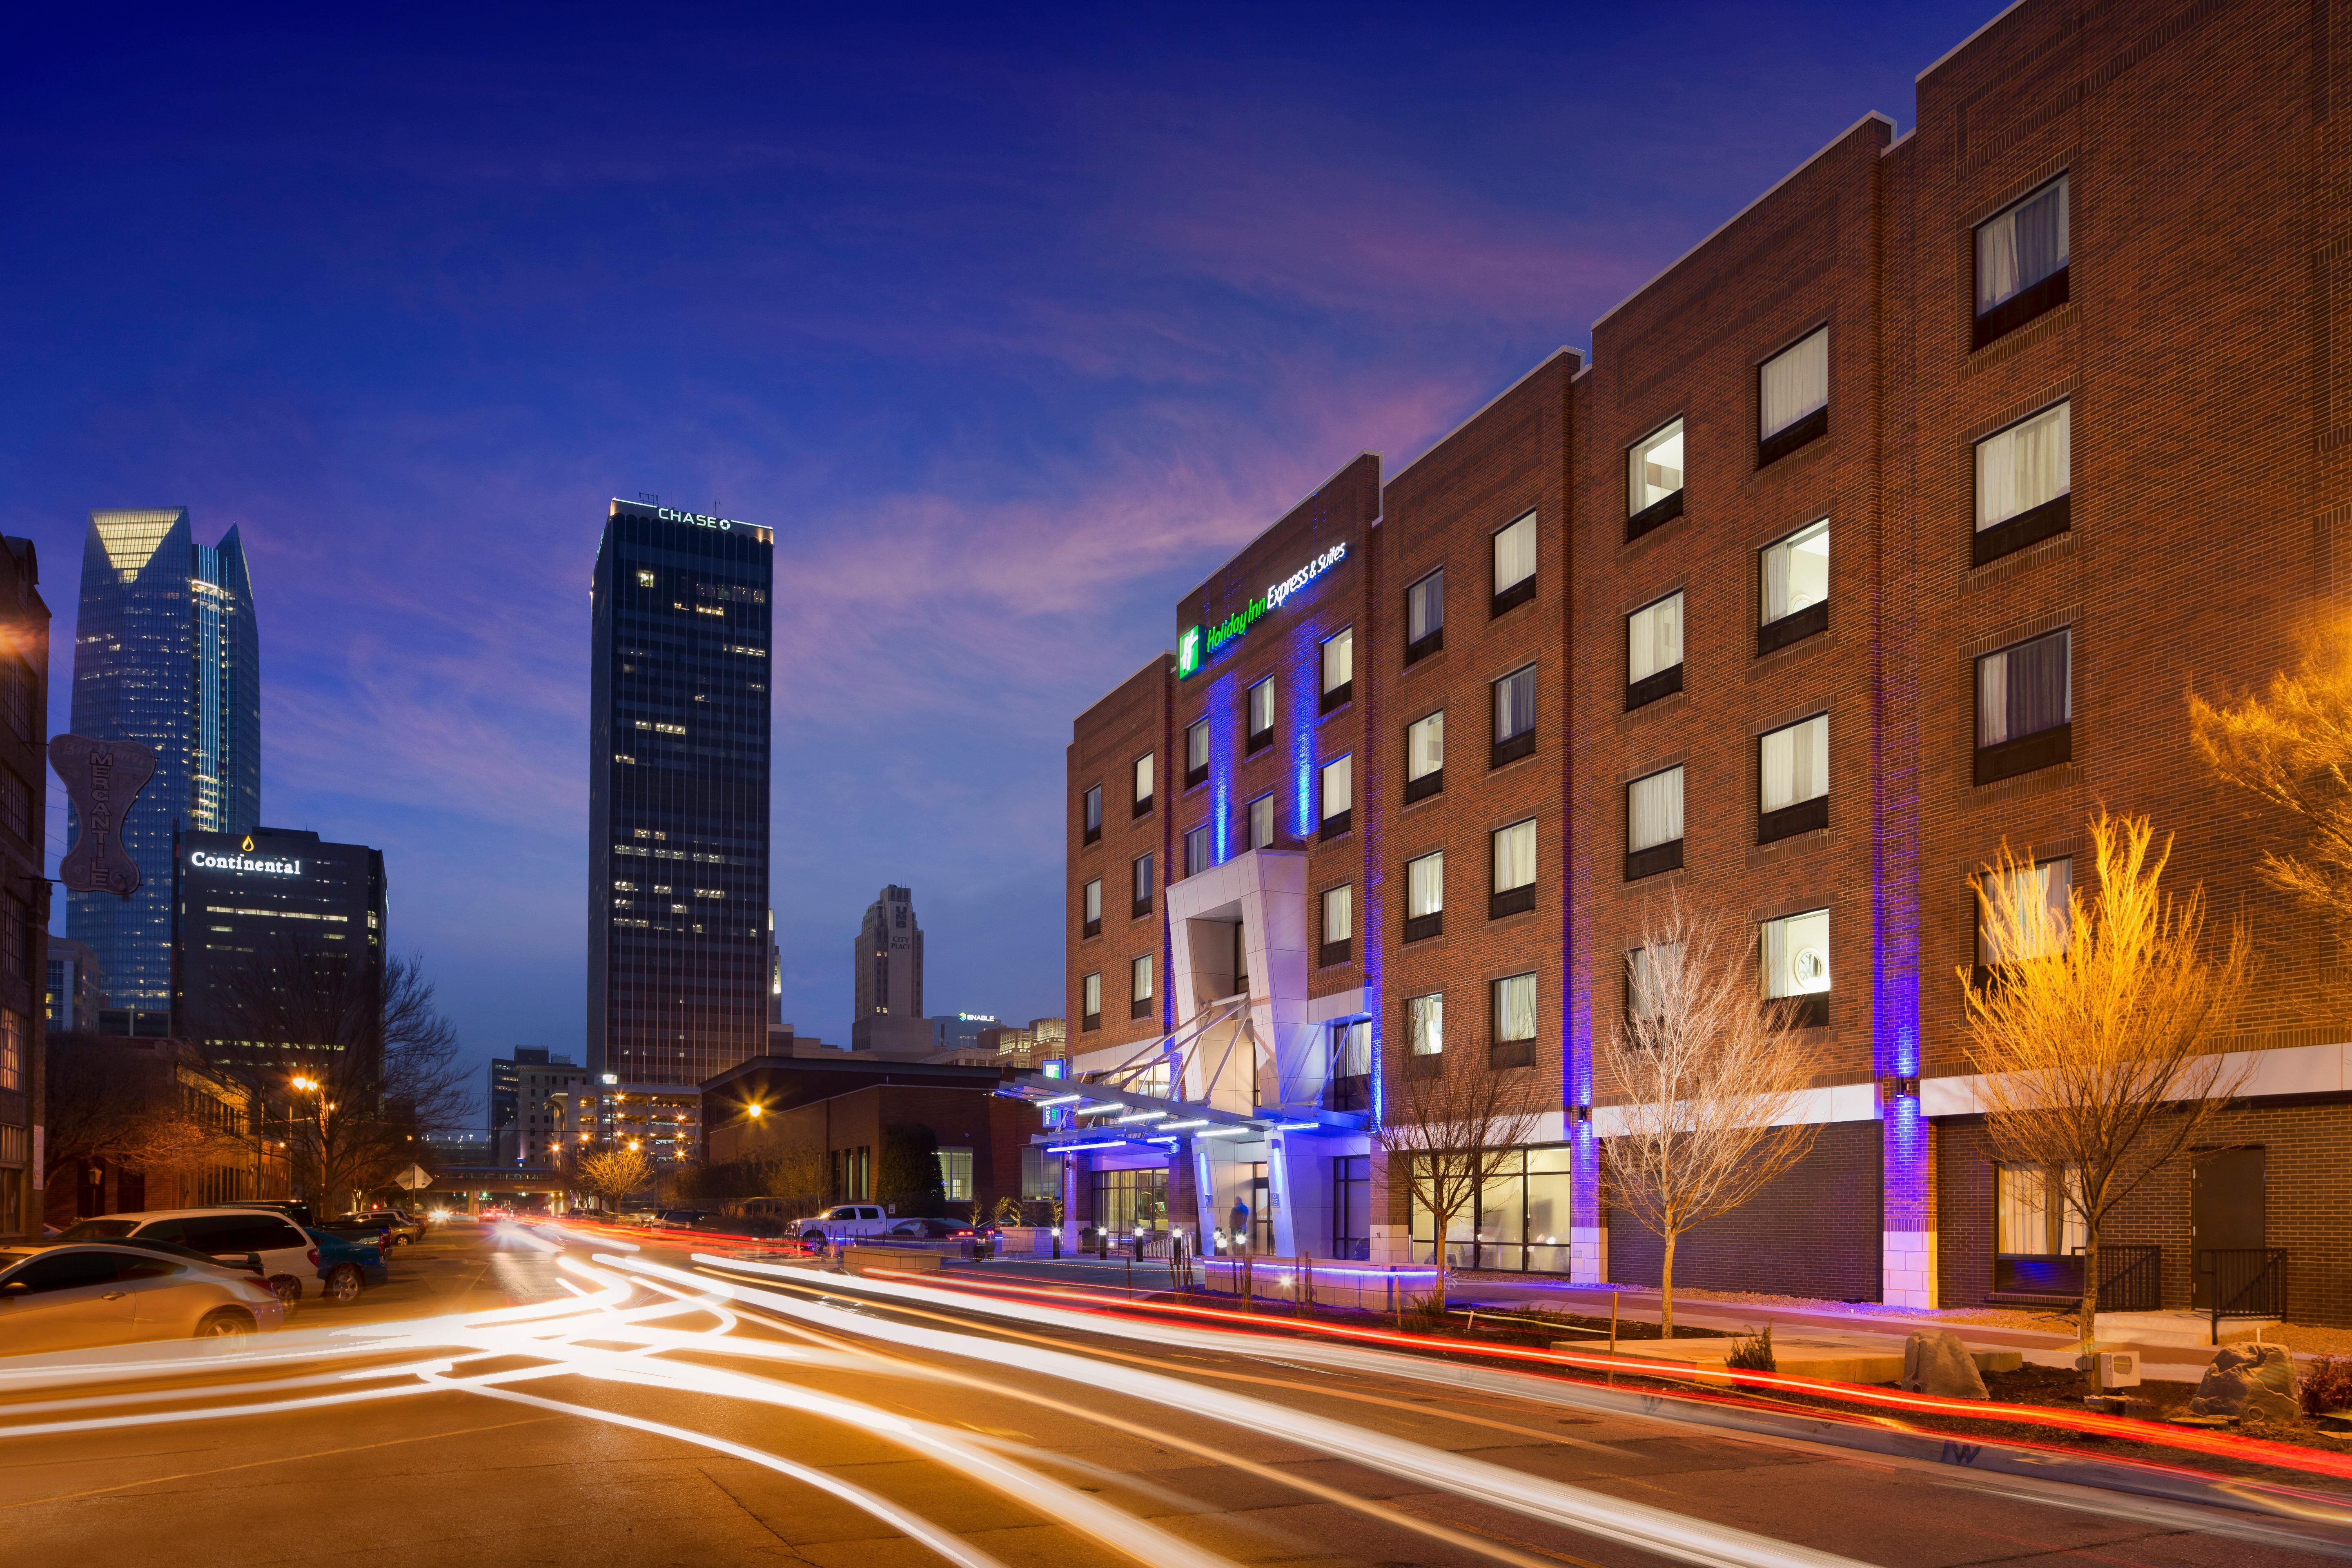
(1240, 1220)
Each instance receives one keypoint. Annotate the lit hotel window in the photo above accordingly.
(1653, 651)
(1653, 823)
(1515, 717)
(1797, 966)
(1339, 669)
(1425, 1023)
(1515, 870)
(1338, 796)
(1090, 996)
(1338, 923)
(1196, 851)
(1792, 774)
(1425, 618)
(1090, 906)
(1654, 479)
(1424, 757)
(1792, 398)
(1792, 598)
(2022, 255)
(1143, 785)
(1196, 754)
(1261, 715)
(1513, 1005)
(2024, 478)
(1094, 814)
(1425, 896)
(1514, 565)
(1261, 822)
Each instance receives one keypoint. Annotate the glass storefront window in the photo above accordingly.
(1129, 1201)
(1520, 1224)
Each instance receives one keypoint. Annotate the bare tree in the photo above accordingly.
(2095, 1032)
(1713, 1077)
(614, 1174)
(1453, 1130)
(2293, 748)
(369, 1070)
(107, 1105)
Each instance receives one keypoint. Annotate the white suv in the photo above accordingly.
(845, 1222)
(281, 1244)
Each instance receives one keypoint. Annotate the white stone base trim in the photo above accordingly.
(1907, 1267)
(1588, 1254)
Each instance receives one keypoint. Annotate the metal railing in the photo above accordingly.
(2131, 1277)
(2247, 1282)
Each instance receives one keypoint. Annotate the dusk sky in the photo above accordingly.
(1012, 325)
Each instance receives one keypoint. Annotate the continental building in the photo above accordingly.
(1891, 524)
(680, 961)
(165, 654)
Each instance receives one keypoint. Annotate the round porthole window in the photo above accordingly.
(1810, 968)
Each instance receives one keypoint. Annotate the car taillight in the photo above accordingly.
(313, 1256)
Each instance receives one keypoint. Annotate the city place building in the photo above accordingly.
(275, 933)
(1786, 608)
(680, 959)
(887, 975)
(165, 654)
(23, 888)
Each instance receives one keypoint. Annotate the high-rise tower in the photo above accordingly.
(890, 978)
(165, 654)
(679, 951)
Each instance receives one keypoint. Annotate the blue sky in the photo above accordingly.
(1012, 325)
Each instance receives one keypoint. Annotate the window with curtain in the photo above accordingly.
(1653, 468)
(1339, 660)
(1654, 810)
(1094, 901)
(1338, 787)
(1797, 954)
(1261, 710)
(1424, 891)
(1793, 764)
(1424, 747)
(1138, 978)
(1352, 1048)
(1514, 556)
(1425, 1023)
(1338, 912)
(1261, 822)
(1514, 704)
(1196, 753)
(1091, 996)
(1796, 574)
(1793, 383)
(1514, 1008)
(2026, 465)
(1094, 809)
(2037, 899)
(1197, 849)
(1654, 638)
(2031, 1214)
(2022, 247)
(1143, 779)
(1515, 856)
(1143, 869)
(2024, 689)
(1424, 610)
(1649, 971)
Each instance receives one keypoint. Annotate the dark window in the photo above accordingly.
(1196, 754)
(1197, 850)
(2025, 708)
(2022, 256)
(1653, 651)
(1142, 886)
(1425, 618)
(69, 1270)
(1094, 814)
(1261, 716)
(1090, 909)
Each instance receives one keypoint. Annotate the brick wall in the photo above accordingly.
(1104, 743)
(1814, 1232)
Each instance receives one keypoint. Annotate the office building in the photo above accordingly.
(958, 1031)
(888, 974)
(1786, 606)
(77, 987)
(505, 1101)
(548, 1096)
(24, 891)
(165, 654)
(277, 933)
(680, 965)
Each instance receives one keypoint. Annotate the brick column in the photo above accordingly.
(1588, 1238)
(1907, 1186)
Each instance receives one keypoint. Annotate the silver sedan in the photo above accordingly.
(68, 1296)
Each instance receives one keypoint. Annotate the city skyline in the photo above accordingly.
(995, 444)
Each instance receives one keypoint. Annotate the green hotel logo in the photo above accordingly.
(1188, 654)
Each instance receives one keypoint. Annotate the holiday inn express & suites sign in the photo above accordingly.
(1194, 646)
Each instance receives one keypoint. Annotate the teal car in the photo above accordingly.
(346, 1266)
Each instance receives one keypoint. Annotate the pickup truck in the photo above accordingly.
(843, 1222)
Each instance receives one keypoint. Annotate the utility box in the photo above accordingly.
(2118, 1369)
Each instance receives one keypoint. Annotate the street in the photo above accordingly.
(511, 1399)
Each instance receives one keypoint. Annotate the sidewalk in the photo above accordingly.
(1829, 1330)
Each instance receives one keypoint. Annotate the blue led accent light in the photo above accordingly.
(1221, 715)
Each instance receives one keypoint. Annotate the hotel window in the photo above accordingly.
(1424, 757)
(1092, 906)
(955, 1175)
(1141, 869)
(1339, 795)
(1196, 754)
(1261, 717)
(1514, 565)
(2034, 909)
(1425, 896)
(2021, 263)
(1653, 823)
(1792, 777)
(1797, 966)
(1513, 1001)
(1425, 618)
(1515, 717)
(2024, 484)
(2034, 1217)
(1351, 1066)
(1650, 972)
(1515, 870)
(1143, 785)
(1261, 822)
(1138, 986)
(1090, 999)
(1792, 398)
(1339, 924)
(1197, 850)
(1094, 814)
(2025, 708)
(1425, 1024)
(1654, 480)
(1339, 669)
(1793, 597)
(1653, 651)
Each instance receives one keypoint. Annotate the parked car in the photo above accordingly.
(292, 1208)
(347, 1266)
(283, 1247)
(76, 1295)
(684, 1218)
(844, 1222)
(740, 1225)
(389, 1225)
(929, 1230)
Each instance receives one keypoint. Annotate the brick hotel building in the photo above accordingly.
(1875, 532)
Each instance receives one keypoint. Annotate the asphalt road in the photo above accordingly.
(508, 1401)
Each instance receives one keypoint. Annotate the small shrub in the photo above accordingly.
(1427, 1312)
(1752, 1351)
(2327, 1384)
